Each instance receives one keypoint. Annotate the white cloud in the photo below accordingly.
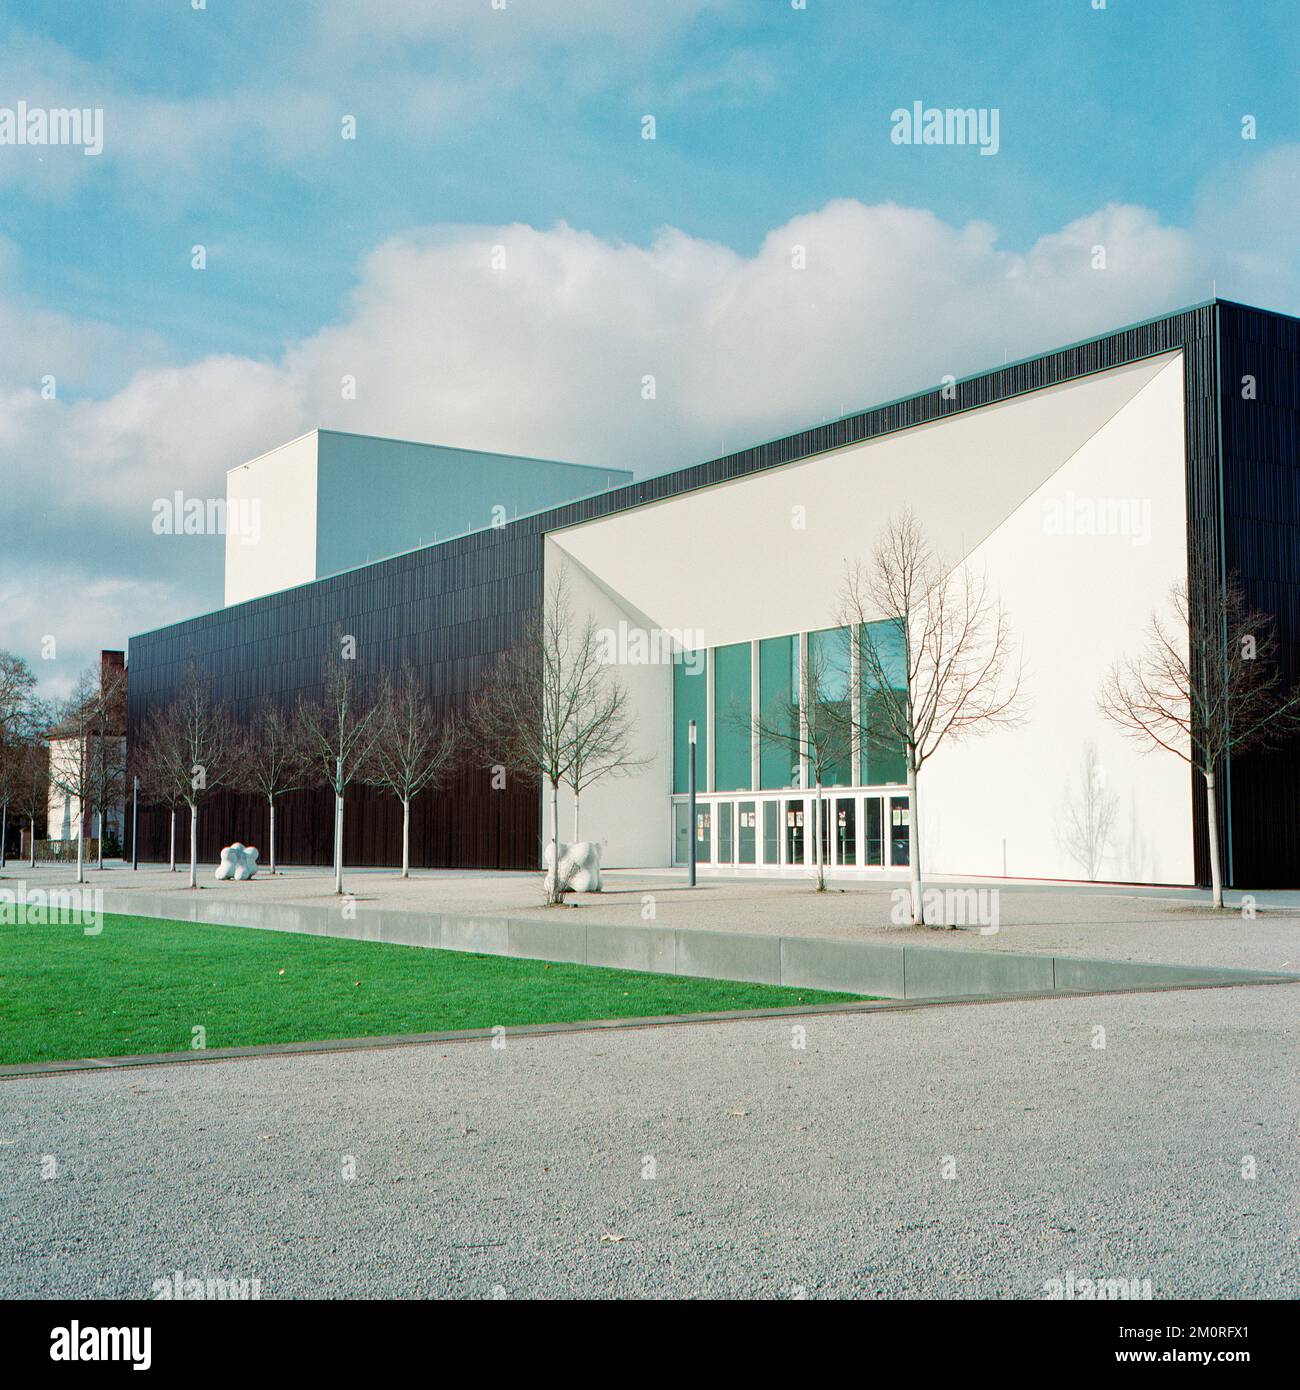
(547, 356)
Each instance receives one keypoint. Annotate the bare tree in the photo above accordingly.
(28, 783)
(194, 741)
(551, 700)
(603, 726)
(934, 659)
(73, 769)
(107, 781)
(339, 728)
(1086, 823)
(1206, 685)
(814, 728)
(413, 750)
(16, 686)
(161, 777)
(16, 712)
(272, 760)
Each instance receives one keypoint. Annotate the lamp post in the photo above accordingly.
(690, 879)
(135, 810)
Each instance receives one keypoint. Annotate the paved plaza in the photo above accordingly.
(1118, 922)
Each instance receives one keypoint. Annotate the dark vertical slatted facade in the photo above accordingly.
(452, 607)
(1261, 468)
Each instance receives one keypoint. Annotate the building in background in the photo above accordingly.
(1188, 425)
(67, 820)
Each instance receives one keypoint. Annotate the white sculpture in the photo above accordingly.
(579, 866)
(238, 862)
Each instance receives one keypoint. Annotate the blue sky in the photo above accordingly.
(521, 127)
(762, 111)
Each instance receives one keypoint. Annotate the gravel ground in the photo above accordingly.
(779, 1172)
(1128, 924)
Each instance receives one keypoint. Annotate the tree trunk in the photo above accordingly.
(1212, 821)
(406, 837)
(81, 841)
(99, 843)
(194, 845)
(271, 803)
(913, 847)
(556, 895)
(33, 844)
(171, 842)
(575, 818)
(338, 840)
(817, 838)
(4, 833)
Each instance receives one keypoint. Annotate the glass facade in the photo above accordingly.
(883, 757)
(690, 701)
(830, 726)
(732, 729)
(823, 697)
(778, 698)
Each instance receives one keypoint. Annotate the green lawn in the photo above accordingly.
(144, 984)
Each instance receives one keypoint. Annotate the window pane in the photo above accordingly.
(874, 831)
(830, 729)
(732, 739)
(884, 759)
(747, 832)
(900, 831)
(690, 701)
(724, 832)
(771, 832)
(794, 832)
(703, 832)
(846, 835)
(778, 697)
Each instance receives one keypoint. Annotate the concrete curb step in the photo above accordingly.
(884, 970)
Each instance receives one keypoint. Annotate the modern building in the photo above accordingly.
(1077, 482)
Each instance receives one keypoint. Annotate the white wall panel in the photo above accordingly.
(765, 555)
(282, 487)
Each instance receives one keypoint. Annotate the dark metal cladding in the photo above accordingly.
(451, 608)
(1261, 508)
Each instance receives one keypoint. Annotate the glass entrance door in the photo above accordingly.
(747, 835)
(900, 831)
(771, 832)
(846, 832)
(794, 832)
(874, 832)
(703, 832)
(681, 833)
